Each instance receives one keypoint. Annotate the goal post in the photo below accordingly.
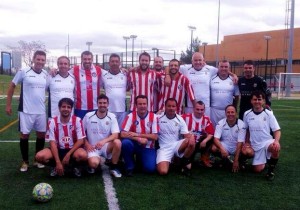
(287, 85)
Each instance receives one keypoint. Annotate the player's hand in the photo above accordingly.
(99, 145)
(53, 72)
(275, 146)
(142, 141)
(8, 110)
(235, 79)
(235, 166)
(89, 148)
(59, 169)
(202, 144)
(224, 153)
(168, 80)
(66, 159)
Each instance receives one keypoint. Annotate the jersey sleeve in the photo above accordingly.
(18, 78)
(127, 123)
(218, 131)
(50, 136)
(209, 129)
(242, 131)
(189, 89)
(79, 129)
(155, 128)
(114, 124)
(183, 127)
(273, 123)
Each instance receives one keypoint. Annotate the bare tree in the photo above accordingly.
(27, 49)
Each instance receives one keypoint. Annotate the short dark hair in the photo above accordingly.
(140, 96)
(258, 93)
(114, 55)
(86, 53)
(170, 99)
(61, 57)
(201, 103)
(145, 54)
(66, 101)
(249, 62)
(102, 96)
(39, 52)
(174, 60)
(230, 105)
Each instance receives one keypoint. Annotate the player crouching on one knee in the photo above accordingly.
(66, 138)
(171, 126)
(229, 137)
(259, 122)
(102, 131)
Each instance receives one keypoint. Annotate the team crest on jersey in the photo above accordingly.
(254, 85)
(149, 124)
(70, 127)
(136, 122)
(230, 83)
(176, 123)
(179, 87)
(94, 74)
(107, 122)
(66, 139)
(265, 119)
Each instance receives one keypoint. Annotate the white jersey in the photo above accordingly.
(146, 125)
(87, 87)
(99, 128)
(115, 88)
(200, 81)
(170, 130)
(59, 87)
(33, 90)
(222, 92)
(260, 125)
(67, 134)
(230, 135)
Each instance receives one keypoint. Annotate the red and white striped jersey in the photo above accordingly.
(198, 126)
(180, 86)
(142, 84)
(146, 125)
(65, 135)
(87, 87)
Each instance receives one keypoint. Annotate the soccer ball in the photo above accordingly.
(42, 192)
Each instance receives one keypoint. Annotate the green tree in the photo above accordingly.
(186, 57)
(27, 49)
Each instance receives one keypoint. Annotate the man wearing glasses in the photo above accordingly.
(249, 83)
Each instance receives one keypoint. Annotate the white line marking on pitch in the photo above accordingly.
(113, 203)
(16, 141)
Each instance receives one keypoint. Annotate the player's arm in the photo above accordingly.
(110, 138)
(234, 77)
(88, 147)
(191, 138)
(168, 77)
(58, 164)
(276, 144)
(218, 144)
(235, 165)
(10, 92)
(76, 146)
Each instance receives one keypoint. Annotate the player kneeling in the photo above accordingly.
(66, 137)
(171, 127)
(229, 136)
(259, 122)
(102, 132)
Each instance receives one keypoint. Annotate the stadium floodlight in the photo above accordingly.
(192, 28)
(133, 37)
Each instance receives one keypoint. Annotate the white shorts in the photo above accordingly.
(100, 152)
(216, 115)
(230, 150)
(166, 153)
(261, 156)
(30, 122)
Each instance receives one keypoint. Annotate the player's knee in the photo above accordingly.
(117, 144)
(162, 172)
(93, 163)
(248, 151)
(258, 168)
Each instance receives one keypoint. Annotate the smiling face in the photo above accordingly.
(199, 110)
(65, 110)
(174, 67)
(170, 108)
(158, 64)
(63, 65)
(141, 106)
(39, 62)
(257, 103)
(230, 113)
(144, 62)
(198, 61)
(87, 61)
(102, 105)
(114, 64)
(248, 71)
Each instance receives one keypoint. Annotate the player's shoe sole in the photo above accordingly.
(24, 166)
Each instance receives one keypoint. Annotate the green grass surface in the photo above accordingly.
(206, 189)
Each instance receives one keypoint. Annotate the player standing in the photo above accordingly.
(32, 110)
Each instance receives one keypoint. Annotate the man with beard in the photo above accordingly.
(87, 84)
(141, 82)
(178, 89)
(139, 133)
(158, 65)
(66, 137)
(102, 137)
